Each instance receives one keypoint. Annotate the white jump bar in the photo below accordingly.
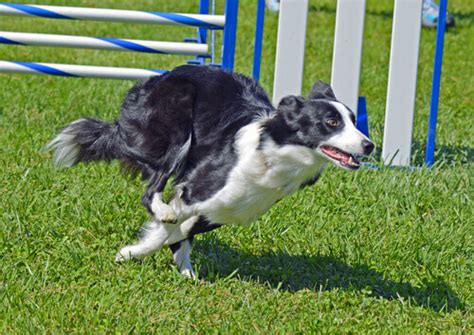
(117, 15)
(103, 43)
(66, 70)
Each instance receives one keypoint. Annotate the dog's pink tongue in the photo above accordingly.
(339, 155)
(343, 157)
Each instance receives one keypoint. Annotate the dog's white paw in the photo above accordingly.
(166, 215)
(124, 254)
(188, 273)
(163, 212)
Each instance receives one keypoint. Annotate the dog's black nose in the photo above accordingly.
(368, 147)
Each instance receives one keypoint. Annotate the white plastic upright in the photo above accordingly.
(400, 107)
(290, 49)
(347, 53)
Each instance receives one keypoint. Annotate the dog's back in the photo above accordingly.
(159, 114)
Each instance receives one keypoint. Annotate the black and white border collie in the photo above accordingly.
(231, 153)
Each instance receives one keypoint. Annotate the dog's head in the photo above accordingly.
(325, 125)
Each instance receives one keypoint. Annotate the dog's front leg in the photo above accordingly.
(156, 234)
(153, 237)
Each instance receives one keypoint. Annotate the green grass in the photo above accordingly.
(383, 251)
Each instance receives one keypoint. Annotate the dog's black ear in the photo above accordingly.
(291, 103)
(290, 106)
(321, 90)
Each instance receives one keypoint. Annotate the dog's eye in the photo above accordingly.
(333, 123)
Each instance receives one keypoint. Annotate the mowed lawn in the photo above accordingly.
(384, 251)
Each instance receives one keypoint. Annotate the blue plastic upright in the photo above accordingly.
(201, 35)
(362, 122)
(257, 50)
(435, 86)
(203, 9)
(230, 30)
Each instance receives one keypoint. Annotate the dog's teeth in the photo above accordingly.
(352, 161)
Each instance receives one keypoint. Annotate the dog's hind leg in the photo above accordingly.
(154, 236)
(162, 212)
(181, 255)
(181, 239)
(158, 117)
(153, 199)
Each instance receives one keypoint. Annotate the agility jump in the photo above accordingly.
(203, 21)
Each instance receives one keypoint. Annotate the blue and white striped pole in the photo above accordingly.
(102, 14)
(438, 62)
(103, 43)
(66, 70)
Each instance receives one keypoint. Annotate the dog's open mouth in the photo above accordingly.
(345, 159)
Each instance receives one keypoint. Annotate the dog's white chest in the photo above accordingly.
(260, 178)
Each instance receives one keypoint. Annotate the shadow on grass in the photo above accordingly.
(297, 272)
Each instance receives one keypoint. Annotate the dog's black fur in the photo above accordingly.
(157, 118)
(159, 114)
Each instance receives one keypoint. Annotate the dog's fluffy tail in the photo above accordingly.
(86, 140)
